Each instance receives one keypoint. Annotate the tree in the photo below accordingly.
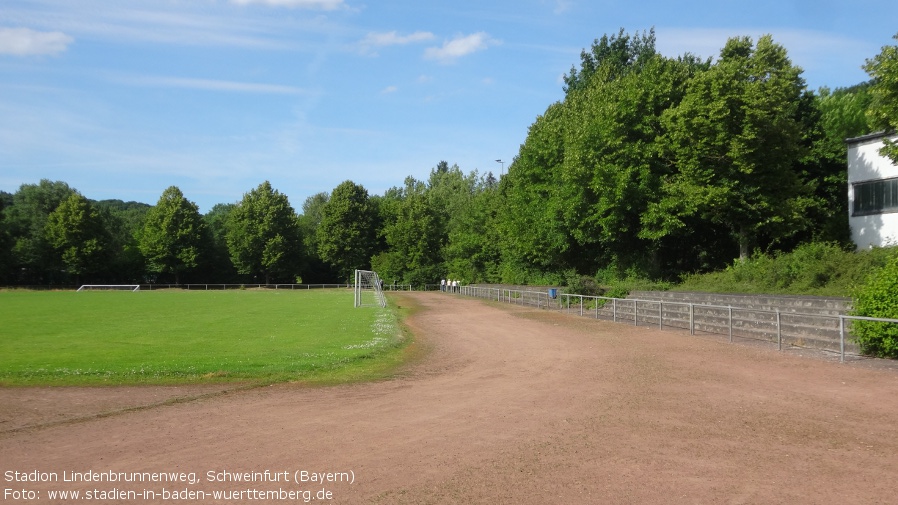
(75, 230)
(613, 55)
(472, 252)
(172, 236)
(734, 141)
(827, 119)
(312, 213)
(346, 235)
(26, 220)
(883, 111)
(5, 242)
(533, 236)
(124, 222)
(217, 264)
(591, 164)
(264, 237)
(413, 238)
(612, 167)
(843, 114)
(315, 270)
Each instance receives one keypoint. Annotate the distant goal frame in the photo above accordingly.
(109, 287)
(368, 289)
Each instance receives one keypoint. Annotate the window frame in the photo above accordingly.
(875, 201)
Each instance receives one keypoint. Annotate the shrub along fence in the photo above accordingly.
(827, 329)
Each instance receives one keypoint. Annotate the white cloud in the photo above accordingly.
(393, 38)
(327, 5)
(389, 89)
(459, 46)
(562, 6)
(197, 23)
(213, 85)
(24, 41)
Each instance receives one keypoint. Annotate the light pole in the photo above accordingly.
(503, 167)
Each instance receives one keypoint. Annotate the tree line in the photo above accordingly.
(649, 165)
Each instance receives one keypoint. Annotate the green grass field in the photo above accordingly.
(165, 337)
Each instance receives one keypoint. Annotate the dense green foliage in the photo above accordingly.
(173, 235)
(883, 111)
(346, 234)
(32, 257)
(216, 252)
(878, 297)
(734, 141)
(75, 231)
(650, 168)
(263, 235)
(115, 337)
(824, 269)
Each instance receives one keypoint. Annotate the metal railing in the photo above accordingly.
(717, 319)
(219, 286)
(398, 287)
(519, 297)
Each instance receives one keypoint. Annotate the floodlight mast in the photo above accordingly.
(503, 167)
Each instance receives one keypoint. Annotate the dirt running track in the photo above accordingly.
(508, 405)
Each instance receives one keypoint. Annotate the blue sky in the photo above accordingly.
(121, 99)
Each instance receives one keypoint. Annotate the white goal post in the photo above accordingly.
(110, 287)
(369, 289)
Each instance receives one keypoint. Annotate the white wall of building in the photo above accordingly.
(866, 164)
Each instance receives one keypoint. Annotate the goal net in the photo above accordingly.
(369, 289)
(110, 287)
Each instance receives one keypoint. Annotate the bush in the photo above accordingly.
(582, 285)
(617, 284)
(822, 269)
(878, 298)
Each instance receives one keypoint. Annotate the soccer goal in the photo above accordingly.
(369, 289)
(110, 287)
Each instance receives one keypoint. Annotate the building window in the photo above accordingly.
(876, 197)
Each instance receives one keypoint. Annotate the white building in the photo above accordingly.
(872, 192)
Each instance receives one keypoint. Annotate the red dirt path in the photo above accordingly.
(506, 405)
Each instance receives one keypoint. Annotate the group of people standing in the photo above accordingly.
(449, 285)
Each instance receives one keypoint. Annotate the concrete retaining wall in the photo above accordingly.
(805, 321)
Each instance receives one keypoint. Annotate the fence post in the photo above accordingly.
(581, 305)
(779, 333)
(730, 324)
(691, 319)
(614, 309)
(841, 339)
(660, 315)
(635, 312)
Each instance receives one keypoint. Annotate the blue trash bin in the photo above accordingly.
(553, 293)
